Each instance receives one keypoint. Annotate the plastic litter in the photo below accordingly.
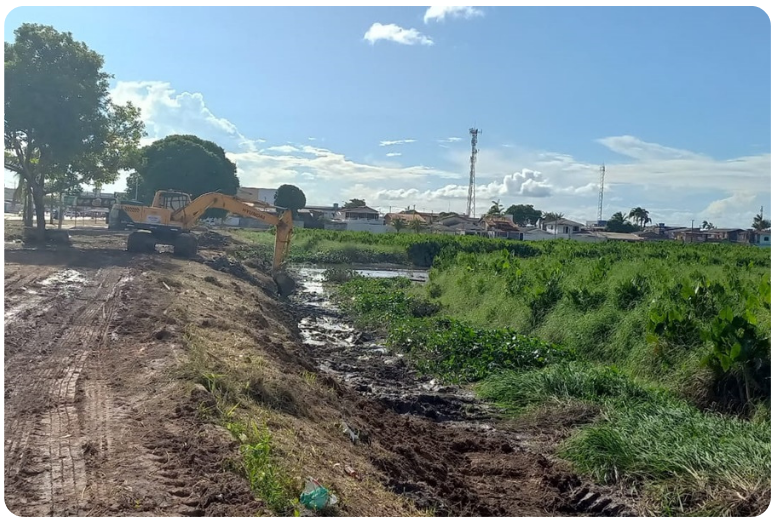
(316, 496)
(352, 472)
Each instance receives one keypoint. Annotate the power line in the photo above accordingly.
(600, 197)
(471, 205)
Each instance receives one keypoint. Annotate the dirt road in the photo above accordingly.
(101, 419)
(90, 426)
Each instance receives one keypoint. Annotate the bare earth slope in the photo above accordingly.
(100, 418)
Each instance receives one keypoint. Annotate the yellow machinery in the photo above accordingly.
(169, 219)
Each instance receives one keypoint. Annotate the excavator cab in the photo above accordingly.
(172, 200)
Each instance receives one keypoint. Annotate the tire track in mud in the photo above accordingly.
(44, 459)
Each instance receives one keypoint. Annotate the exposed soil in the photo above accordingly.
(445, 450)
(93, 423)
(100, 421)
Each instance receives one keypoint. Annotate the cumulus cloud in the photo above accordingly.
(386, 143)
(438, 14)
(395, 33)
(166, 111)
(675, 185)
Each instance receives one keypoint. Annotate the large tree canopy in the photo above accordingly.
(290, 197)
(61, 128)
(524, 214)
(183, 163)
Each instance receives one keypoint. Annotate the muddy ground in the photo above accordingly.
(101, 420)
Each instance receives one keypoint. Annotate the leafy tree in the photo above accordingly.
(496, 209)
(618, 223)
(759, 223)
(551, 216)
(398, 224)
(524, 214)
(184, 163)
(706, 225)
(355, 202)
(417, 225)
(60, 124)
(290, 197)
(640, 215)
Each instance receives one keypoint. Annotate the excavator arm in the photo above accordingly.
(189, 214)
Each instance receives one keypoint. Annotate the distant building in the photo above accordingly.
(328, 212)
(562, 227)
(256, 195)
(761, 238)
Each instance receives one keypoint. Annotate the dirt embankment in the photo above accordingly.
(102, 415)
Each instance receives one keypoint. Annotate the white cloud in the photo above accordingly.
(675, 185)
(451, 139)
(165, 112)
(393, 154)
(438, 14)
(386, 143)
(395, 33)
(281, 149)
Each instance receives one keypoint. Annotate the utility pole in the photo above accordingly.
(600, 197)
(137, 180)
(471, 205)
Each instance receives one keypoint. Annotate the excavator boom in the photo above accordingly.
(192, 212)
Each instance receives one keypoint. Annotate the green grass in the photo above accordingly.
(266, 478)
(333, 247)
(627, 328)
(681, 457)
(230, 392)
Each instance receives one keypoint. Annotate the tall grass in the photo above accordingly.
(644, 332)
(321, 246)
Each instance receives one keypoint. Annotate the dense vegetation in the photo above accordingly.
(668, 343)
(322, 246)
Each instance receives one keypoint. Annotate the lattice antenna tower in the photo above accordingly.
(471, 205)
(600, 197)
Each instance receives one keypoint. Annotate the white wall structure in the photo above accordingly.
(256, 194)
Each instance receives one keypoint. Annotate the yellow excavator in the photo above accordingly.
(169, 219)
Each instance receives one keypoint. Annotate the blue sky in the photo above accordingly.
(675, 101)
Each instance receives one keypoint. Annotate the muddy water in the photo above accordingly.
(366, 364)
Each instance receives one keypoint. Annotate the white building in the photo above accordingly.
(256, 195)
(562, 227)
(762, 238)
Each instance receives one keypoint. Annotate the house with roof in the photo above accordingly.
(357, 219)
(761, 238)
(501, 227)
(562, 227)
(728, 235)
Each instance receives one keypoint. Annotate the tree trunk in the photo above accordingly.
(61, 210)
(27, 210)
(40, 211)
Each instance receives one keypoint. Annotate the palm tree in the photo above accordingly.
(398, 224)
(496, 209)
(759, 223)
(706, 225)
(640, 215)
